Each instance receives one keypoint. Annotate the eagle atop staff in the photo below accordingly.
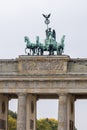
(46, 16)
(47, 21)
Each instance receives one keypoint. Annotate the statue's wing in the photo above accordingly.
(44, 15)
(48, 15)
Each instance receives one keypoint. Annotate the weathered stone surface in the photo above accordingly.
(3, 112)
(43, 77)
(43, 74)
(43, 65)
(8, 66)
(31, 112)
(62, 116)
(77, 65)
(21, 117)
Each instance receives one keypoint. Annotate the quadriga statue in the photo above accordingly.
(50, 44)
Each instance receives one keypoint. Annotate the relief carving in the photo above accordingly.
(43, 65)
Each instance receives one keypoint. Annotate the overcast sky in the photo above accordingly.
(24, 17)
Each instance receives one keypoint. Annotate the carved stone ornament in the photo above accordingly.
(43, 65)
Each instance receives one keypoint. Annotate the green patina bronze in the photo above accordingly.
(50, 44)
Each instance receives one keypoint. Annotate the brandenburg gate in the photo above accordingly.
(29, 78)
(38, 76)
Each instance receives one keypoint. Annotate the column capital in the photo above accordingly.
(62, 94)
(22, 94)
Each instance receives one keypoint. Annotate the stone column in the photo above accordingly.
(3, 112)
(21, 117)
(62, 113)
(71, 112)
(31, 112)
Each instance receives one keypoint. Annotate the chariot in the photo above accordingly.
(50, 44)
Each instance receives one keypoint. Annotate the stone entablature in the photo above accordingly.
(43, 65)
(78, 65)
(8, 66)
(40, 74)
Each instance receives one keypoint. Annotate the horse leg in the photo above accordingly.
(41, 51)
(58, 51)
(33, 52)
(38, 51)
(52, 52)
(30, 51)
(61, 50)
(26, 51)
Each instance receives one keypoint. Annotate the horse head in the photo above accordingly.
(60, 48)
(26, 39)
(37, 39)
(63, 39)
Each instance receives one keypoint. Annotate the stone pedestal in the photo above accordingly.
(62, 113)
(21, 117)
